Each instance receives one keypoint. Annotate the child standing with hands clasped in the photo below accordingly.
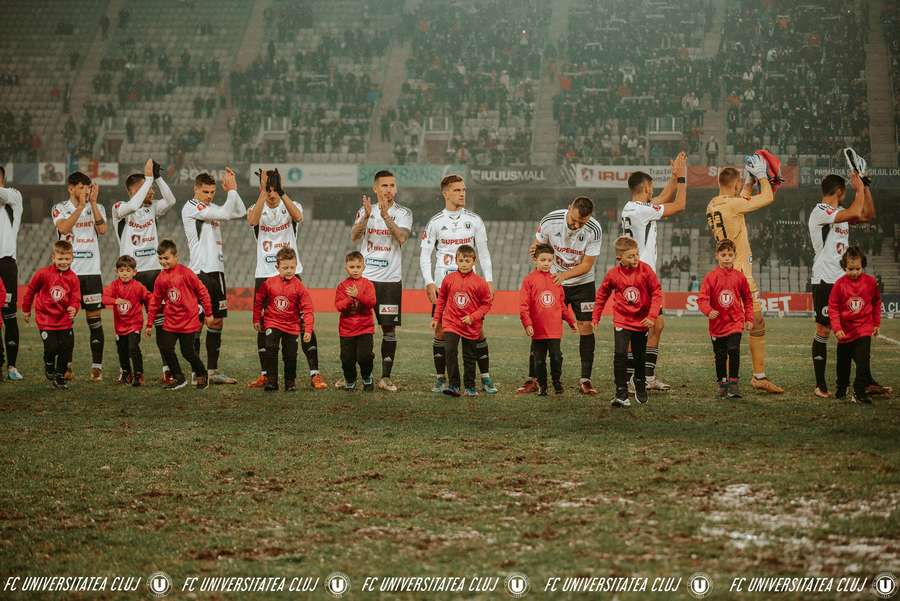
(854, 308)
(726, 300)
(354, 299)
(129, 298)
(463, 301)
(637, 301)
(542, 309)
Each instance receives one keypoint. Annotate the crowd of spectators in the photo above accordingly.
(18, 141)
(321, 96)
(794, 75)
(613, 78)
(477, 65)
(890, 26)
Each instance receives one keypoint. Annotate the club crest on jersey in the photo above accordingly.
(468, 225)
(57, 293)
(423, 235)
(124, 308)
(855, 304)
(135, 239)
(267, 245)
(632, 295)
(461, 299)
(581, 237)
(281, 303)
(726, 297)
(447, 259)
(841, 248)
(174, 295)
(547, 298)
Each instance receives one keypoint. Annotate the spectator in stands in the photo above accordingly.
(712, 151)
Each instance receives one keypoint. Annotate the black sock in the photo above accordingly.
(532, 372)
(261, 351)
(586, 350)
(197, 342)
(11, 336)
(388, 349)
(484, 358)
(437, 353)
(95, 330)
(650, 357)
(820, 360)
(311, 351)
(213, 344)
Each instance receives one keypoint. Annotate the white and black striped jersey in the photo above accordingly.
(638, 221)
(276, 230)
(383, 257)
(201, 227)
(570, 246)
(135, 224)
(444, 234)
(83, 237)
(10, 220)
(830, 241)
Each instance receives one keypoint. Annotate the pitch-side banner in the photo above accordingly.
(883, 178)
(616, 176)
(512, 176)
(310, 175)
(51, 174)
(103, 174)
(411, 176)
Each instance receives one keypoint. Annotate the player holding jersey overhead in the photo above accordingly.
(79, 221)
(638, 221)
(201, 219)
(134, 223)
(381, 231)
(829, 230)
(725, 218)
(444, 234)
(576, 238)
(275, 220)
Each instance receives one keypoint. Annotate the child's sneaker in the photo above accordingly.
(290, 386)
(487, 385)
(440, 382)
(471, 391)
(271, 386)
(339, 383)
(124, 378)
(861, 397)
(542, 391)
(841, 394)
(13, 374)
(59, 382)
(96, 374)
(732, 388)
(619, 401)
(317, 382)
(530, 386)
(558, 387)
(452, 391)
(138, 379)
(176, 383)
(640, 392)
(350, 386)
(368, 385)
(201, 382)
(723, 388)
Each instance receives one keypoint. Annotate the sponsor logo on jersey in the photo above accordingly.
(57, 293)
(223, 305)
(281, 303)
(83, 254)
(461, 299)
(632, 295)
(274, 229)
(726, 297)
(547, 298)
(855, 304)
(388, 309)
(91, 299)
(376, 262)
(145, 252)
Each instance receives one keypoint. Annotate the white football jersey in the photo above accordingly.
(379, 248)
(638, 221)
(10, 220)
(83, 237)
(204, 236)
(830, 241)
(135, 224)
(570, 246)
(444, 234)
(276, 230)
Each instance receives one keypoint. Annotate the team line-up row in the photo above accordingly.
(180, 300)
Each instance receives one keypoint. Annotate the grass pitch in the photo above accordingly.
(109, 480)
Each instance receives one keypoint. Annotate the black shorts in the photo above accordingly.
(147, 278)
(388, 300)
(215, 285)
(9, 274)
(820, 293)
(91, 292)
(581, 298)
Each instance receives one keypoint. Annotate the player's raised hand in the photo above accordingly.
(679, 165)
(263, 180)
(856, 181)
(713, 314)
(532, 247)
(95, 192)
(431, 291)
(148, 168)
(529, 331)
(367, 206)
(229, 182)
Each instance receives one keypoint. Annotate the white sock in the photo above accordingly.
(760, 376)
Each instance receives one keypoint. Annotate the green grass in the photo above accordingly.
(111, 480)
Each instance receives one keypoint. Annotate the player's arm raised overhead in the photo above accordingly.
(669, 191)
(293, 208)
(765, 197)
(855, 213)
(233, 207)
(679, 178)
(168, 198)
(121, 209)
(362, 219)
(255, 212)
(868, 213)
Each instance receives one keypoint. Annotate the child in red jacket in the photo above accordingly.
(55, 293)
(637, 301)
(463, 301)
(854, 308)
(183, 293)
(280, 303)
(130, 298)
(354, 299)
(542, 309)
(726, 300)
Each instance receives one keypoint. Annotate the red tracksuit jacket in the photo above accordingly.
(463, 294)
(52, 292)
(356, 317)
(128, 318)
(855, 307)
(726, 291)
(542, 305)
(635, 293)
(280, 304)
(183, 292)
